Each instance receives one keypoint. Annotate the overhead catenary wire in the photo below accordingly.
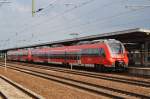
(27, 25)
(16, 34)
(88, 22)
(43, 8)
(49, 5)
(103, 27)
(111, 16)
(98, 20)
(58, 15)
(92, 11)
(59, 28)
(123, 25)
(103, 6)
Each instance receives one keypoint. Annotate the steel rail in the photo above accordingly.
(93, 75)
(21, 88)
(78, 84)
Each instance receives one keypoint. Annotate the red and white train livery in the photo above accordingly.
(101, 54)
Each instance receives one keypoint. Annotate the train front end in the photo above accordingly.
(118, 55)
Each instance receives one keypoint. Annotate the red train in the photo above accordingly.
(101, 54)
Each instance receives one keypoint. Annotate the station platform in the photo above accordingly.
(143, 71)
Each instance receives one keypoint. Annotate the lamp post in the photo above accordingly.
(33, 8)
(33, 11)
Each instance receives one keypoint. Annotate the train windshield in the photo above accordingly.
(116, 48)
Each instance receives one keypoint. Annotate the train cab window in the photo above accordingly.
(102, 52)
(116, 48)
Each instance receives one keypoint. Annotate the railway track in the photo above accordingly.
(3, 96)
(93, 75)
(11, 90)
(97, 89)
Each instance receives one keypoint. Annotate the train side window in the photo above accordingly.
(96, 51)
(83, 51)
(92, 51)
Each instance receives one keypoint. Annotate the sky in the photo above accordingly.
(60, 18)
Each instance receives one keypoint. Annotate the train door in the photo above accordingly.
(79, 57)
(29, 55)
(102, 56)
(65, 57)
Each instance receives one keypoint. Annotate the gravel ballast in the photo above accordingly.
(47, 88)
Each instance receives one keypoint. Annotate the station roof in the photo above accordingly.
(131, 35)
